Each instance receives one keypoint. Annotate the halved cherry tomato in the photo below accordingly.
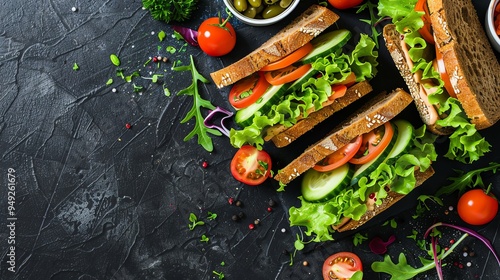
(440, 67)
(287, 74)
(476, 207)
(341, 266)
(289, 59)
(248, 90)
(250, 165)
(340, 157)
(426, 30)
(344, 4)
(374, 143)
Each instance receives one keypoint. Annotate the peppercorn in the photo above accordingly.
(251, 226)
(204, 164)
(155, 59)
(230, 200)
(305, 263)
(128, 126)
(241, 215)
(239, 203)
(271, 202)
(269, 209)
(257, 221)
(165, 59)
(235, 217)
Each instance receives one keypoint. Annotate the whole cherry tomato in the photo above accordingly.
(344, 4)
(476, 207)
(216, 36)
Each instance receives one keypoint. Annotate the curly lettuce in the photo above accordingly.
(334, 68)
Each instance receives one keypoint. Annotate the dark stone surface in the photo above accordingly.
(95, 200)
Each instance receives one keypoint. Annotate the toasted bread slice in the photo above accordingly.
(469, 59)
(391, 199)
(303, 29)
(288, 135)
(382, 108)
(393, 43)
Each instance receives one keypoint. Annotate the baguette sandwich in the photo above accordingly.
(363, 167)
(297, 79)
(444, 56)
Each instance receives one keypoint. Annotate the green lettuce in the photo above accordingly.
(398, 173)
(334, 68)
(466, 144)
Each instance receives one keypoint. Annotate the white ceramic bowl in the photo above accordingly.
(260, 22)
(490, 28)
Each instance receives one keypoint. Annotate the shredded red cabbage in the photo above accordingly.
(190, 35)
(208, 121)
(378, 246)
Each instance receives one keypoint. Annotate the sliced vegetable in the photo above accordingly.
(440, 67)
(341, 265)
(251, 166)
(327, 43)
(405, 134)
(287, 74)
(188, 34)
(271, 96)
(379, 246)
(208, 122)
(344, 4)
(289, 59)
(374, 142)
(248, 90)
(322, 186)
(426, 30)
(477, 207)
(340, 157)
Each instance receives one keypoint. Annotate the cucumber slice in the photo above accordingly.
(404, 139)
(298, 83)
(365, 169)
(326, 44)
(322, 186)
(272, 96)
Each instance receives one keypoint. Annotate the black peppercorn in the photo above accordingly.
(272, 203)
(235, 217)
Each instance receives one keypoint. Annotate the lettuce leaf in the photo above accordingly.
(335, 68)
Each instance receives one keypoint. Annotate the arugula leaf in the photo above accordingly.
(422, 205)
(198, 102)
(373, 19)
(470, 179)
(402, 270)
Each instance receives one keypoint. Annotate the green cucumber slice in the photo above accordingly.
(298, 83)
(272, 96)
(367, 168)
(327, 43)
(322, 186)
(404, 140)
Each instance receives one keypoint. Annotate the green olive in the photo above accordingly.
(255, 3)
(260, 9)
(272, 11)
(285, 3)
(240, 5)
(269, 2)
(250, 12)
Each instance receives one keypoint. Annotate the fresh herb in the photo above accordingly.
(413, 235)
(115, 60)
(194, 221)
(204, 238)
(161, 35)
(391, 222)
(373, 21)
(359, 238)
(422, 205)
(166, 91)
(219, 274)
(129, 78)
(211, 216)
(109, 82)
(137, 88)
(222, 263)
(198, 102)
(171, 49)
(155, 77)
(119, 73)
(470, 179)
(170, 10)
(76, 67)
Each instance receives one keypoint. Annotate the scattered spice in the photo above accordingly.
(251, 226)
(239, 203)
(204, 164)
(241, 215)
(235, 217)
(128, 126)
(230, 201)
(74, 9)
(271, 202)
(269, 209)
(305, 263)
(257, 221)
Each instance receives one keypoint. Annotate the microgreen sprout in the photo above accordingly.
(204, 238)
(194, 221)
(219, 274)
(76, 67)
(114, 59)
(161, 35)
(109, 82)
(358, 238)
(211, 216)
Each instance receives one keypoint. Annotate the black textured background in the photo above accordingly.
(95, 200)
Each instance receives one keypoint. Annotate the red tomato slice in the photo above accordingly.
(440, 67)
(344, 4)
(374, 143)
(350, 80)
(338, 91)
(289, 59)
(341, 266)
(287, 74)
(250, 165)
(426, 30)
(247, 91)
(340, 157)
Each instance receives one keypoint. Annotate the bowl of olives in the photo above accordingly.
(261, 12)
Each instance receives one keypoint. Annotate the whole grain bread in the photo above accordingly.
(303, 29)
(391, 199)
(393, 44)
(380, 109)
(469, 59)
(288, 135)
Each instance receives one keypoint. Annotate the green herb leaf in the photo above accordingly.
(114, 59)
(219, 274)
(358, 238)
(470, 179)
(137, 88)
(166, 91)
(155, 77)
(171, 49)
(204, 238)
(194, 221)
(76, 67)
(109, 82)
(211, 216)
(161, 35)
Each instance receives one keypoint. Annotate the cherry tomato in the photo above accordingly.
(341, 266)
(248, 90)
(374, 143)
(344, 4)
(289, 59)
(476, 207)
(340, 157)
(287, 74)
(440, 67)
(216, 37)
(426, 30)
(250, 165)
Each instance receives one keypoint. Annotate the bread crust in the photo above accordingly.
(303, 29)
(288, 135)
(469, 59)
(380, 109)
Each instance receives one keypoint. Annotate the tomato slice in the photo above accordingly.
(339, 157)
(338, 91)
(341, 266)
(287, 74)
(440, 67)
(250, 165)
(426, 30)
(374, 143)
(248, 90)
(289, 59)
(350, 80)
